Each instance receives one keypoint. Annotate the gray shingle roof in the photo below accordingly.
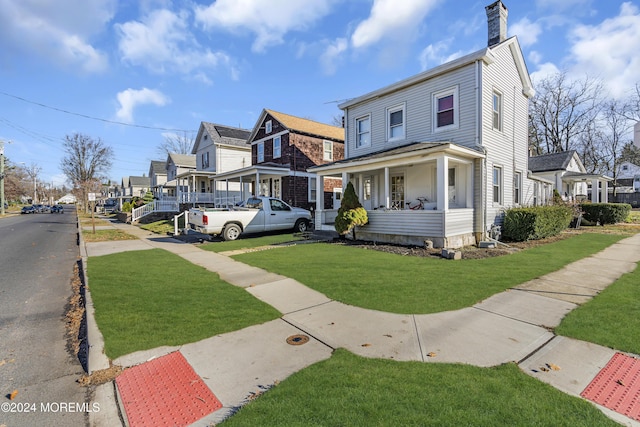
(139, 181)
(185, 160)
(159, 167)
(227, 134)
(551, 162)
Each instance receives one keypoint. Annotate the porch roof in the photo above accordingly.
(579, 176)
(193, 172)
(421, 151)
(267, 169)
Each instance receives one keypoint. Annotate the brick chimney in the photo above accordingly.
(497, 22)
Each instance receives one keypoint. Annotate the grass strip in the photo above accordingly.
(105, 235)
(348, 390)
(250, 242)
(146, 299)
(611, 319)
(412, 285)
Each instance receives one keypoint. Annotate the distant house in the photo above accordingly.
(283, 147)
(178, 168)
(67, 199)
(440, 155)
(218, 149)
(158, 177)
(568, 175)
(138, 186)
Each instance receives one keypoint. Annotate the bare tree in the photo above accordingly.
(174, 143)
(33, 171)
(86, 163)
(561, 112)
(616, 128)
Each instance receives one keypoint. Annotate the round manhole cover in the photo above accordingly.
(297, 339)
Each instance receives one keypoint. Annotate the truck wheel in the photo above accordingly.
(231, 232)
(301, 226)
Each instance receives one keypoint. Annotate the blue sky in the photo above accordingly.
(131, 72)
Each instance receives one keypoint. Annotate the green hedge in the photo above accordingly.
(605, 213)
(533, 223)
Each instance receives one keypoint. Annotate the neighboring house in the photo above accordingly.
(67, 199)
(178, 167)
(455, 136)
(627, 170)
(124, 187)
(218, 149)
(138, 186)
(158, 177)
(283, 147)
(568, 175)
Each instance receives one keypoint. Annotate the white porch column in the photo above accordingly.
(594, 190)
(604, 196)
(442, 183)
(470, 180)
(319, 194)
(241, 189)
(360, 187)
(257, 189)
(387, 186)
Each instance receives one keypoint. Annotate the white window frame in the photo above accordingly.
(496, 114)
(359, 120)
(277, 142)
(397, 194)
(268, 126)
(277, 188)
(402, 108)
(312, 188)
(517, 187)
(327, 153)
(456, 109)
(497, 187)
(260, 152)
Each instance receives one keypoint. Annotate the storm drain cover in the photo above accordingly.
(617, 386)
(297, 339)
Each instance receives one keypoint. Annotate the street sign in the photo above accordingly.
(92, 197)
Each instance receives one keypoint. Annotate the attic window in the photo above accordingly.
(205, 137)
(625, 167)
(268, 126)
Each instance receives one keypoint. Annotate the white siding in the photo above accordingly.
(417, 100)
(230, 158)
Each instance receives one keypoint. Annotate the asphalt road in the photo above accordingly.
(37, 256)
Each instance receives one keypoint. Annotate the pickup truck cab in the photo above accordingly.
(258, 214)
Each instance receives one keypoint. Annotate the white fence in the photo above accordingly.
(155, 206)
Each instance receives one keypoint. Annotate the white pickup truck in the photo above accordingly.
(257, 215)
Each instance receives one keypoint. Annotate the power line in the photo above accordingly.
(91, 117)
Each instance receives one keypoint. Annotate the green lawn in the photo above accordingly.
(151, 298)
(412, 285)
(612, 319)
(347, 390)
(105, 235)
(251, 241)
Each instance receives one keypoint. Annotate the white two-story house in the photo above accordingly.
(440, 155)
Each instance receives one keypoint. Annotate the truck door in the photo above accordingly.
(280, 217)
(257, 224)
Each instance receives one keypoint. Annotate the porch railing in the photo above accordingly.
(155, 206)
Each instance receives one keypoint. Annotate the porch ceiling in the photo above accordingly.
(418, 152)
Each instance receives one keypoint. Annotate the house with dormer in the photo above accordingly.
(283, 148)
(441, 155)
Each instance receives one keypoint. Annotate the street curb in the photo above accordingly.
(96, 359)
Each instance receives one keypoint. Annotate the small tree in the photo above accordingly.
(351, 213)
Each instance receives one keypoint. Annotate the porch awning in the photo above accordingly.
(251, 171)
(580, 177)
(414, 152)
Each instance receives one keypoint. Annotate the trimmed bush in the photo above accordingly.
(534, 223)
(605, 213)
(351, 213)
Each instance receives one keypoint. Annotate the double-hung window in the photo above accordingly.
(363, 131)
(517, 183)
(312, 189)
(260, 149)
(497, 110)
(395, 123)
(268, 126)
(277, 147)
(445, 107)
(328, 150)
(497, 185)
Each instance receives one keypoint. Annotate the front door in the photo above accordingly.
(367, 191)
(337, 198)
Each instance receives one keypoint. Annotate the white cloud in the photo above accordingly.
(609, 50)
(269, 21)
(58, 31)
(436, 54)
(544, 71)
(131, 98)
(332, 55)
(391, 19)
(162, 42)
(526, 31)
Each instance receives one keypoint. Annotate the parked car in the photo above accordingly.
(29, 210)
(45, 209)
(57, 209)
(259, 214)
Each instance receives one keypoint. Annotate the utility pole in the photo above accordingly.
(2, 176)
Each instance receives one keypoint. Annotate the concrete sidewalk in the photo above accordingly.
(512, 326)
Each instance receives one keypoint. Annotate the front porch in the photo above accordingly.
(421, 192)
